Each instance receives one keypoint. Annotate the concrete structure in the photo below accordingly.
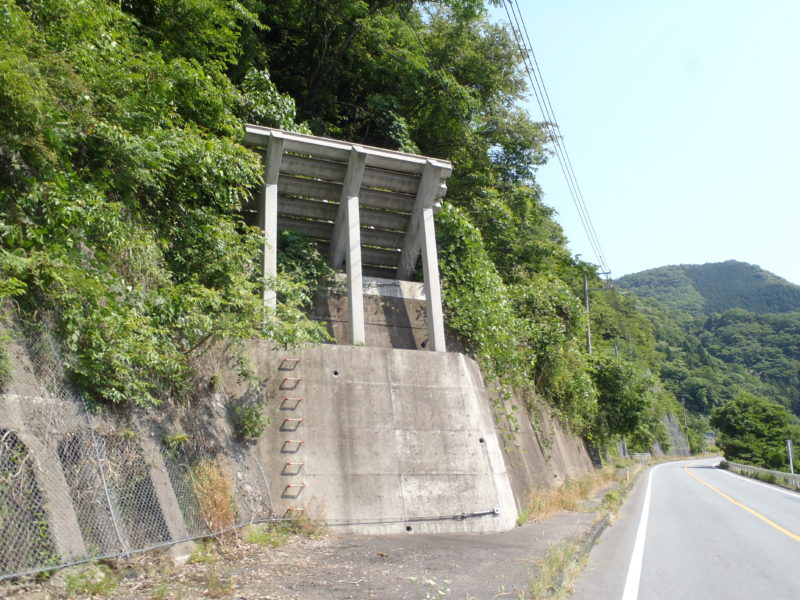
(372, 209)
(368, 440)
(376, 440)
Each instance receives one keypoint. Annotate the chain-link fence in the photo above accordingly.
(76, 486)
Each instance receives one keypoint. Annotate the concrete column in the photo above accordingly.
(61, 517)
(167, 501)
(346, 242)
(433, 292)
(421, 237)
(268, 212)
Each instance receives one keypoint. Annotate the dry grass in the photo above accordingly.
(568, 496)
(557, 571)
(213, 487)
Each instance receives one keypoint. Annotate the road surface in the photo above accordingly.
(691, 531)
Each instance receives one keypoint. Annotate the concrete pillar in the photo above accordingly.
(421, 237)
(268, 212)
(165, 494)
(433, 292)
(346, 242)
(61, 517)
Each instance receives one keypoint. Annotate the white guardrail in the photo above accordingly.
(777, 477)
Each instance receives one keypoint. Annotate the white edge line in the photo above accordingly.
(631, 591)
(774, 488)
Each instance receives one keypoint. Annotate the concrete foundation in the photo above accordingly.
(377, 440)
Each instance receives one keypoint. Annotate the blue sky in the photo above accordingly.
(682, 121)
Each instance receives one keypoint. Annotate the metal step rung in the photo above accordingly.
(289, 364)
(290, 403)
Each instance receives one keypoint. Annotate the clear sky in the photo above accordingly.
(682, 121)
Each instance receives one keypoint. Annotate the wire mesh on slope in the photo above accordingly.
(76, 486)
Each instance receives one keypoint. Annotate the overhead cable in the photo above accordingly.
(531, 65)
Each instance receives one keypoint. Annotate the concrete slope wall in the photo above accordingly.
(679, 445)
(540, 453)
(379, 440)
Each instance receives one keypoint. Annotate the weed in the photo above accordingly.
(249, 420)
(545, 503)
(558, 569)
(5, 359)
(216, 586)
(302, 524)
(203, 554)
(612, 501)
(161, 591)
(213, 486)
(91, 580)
(433, 589)
(176, 440)
(273, 535)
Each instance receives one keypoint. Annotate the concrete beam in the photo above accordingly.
(426, 196)
(421, 237)
(167, 501)
(346, 242)
(268, 212)
(337, 150)
(61, 518)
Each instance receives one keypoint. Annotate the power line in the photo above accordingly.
(531, 64)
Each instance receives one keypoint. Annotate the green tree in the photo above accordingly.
(122, 182)
(753, 430)
(622, 396)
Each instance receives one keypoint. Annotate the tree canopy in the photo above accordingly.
(123, 177)
(754, 431)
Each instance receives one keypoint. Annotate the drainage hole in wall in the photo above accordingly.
(408, 527)
(336, 373)
(482, 441)
(423, 344)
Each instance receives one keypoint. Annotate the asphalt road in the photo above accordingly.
(698, 533)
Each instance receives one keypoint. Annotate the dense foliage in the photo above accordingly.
(121, 182)
(710, 359)
(754, 431)
(123, 178)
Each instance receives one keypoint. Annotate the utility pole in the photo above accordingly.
(790, 449)
(588, 317)
(586, 305)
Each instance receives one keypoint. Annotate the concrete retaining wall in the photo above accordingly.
(369, 440)
(542, 454)
(378, 440)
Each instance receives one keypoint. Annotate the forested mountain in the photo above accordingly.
(714, 288)
(727, 339)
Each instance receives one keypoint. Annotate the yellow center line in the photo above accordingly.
(784, 531)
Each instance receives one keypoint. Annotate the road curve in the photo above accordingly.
(691, 531)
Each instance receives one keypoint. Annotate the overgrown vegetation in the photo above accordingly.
(544, 503)
(123, 179)
(754, 431)
(121, 183)
(213, 481)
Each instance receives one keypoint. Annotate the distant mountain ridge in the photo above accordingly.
(714, 288)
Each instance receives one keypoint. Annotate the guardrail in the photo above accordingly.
(641, 456)
(781, 478)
